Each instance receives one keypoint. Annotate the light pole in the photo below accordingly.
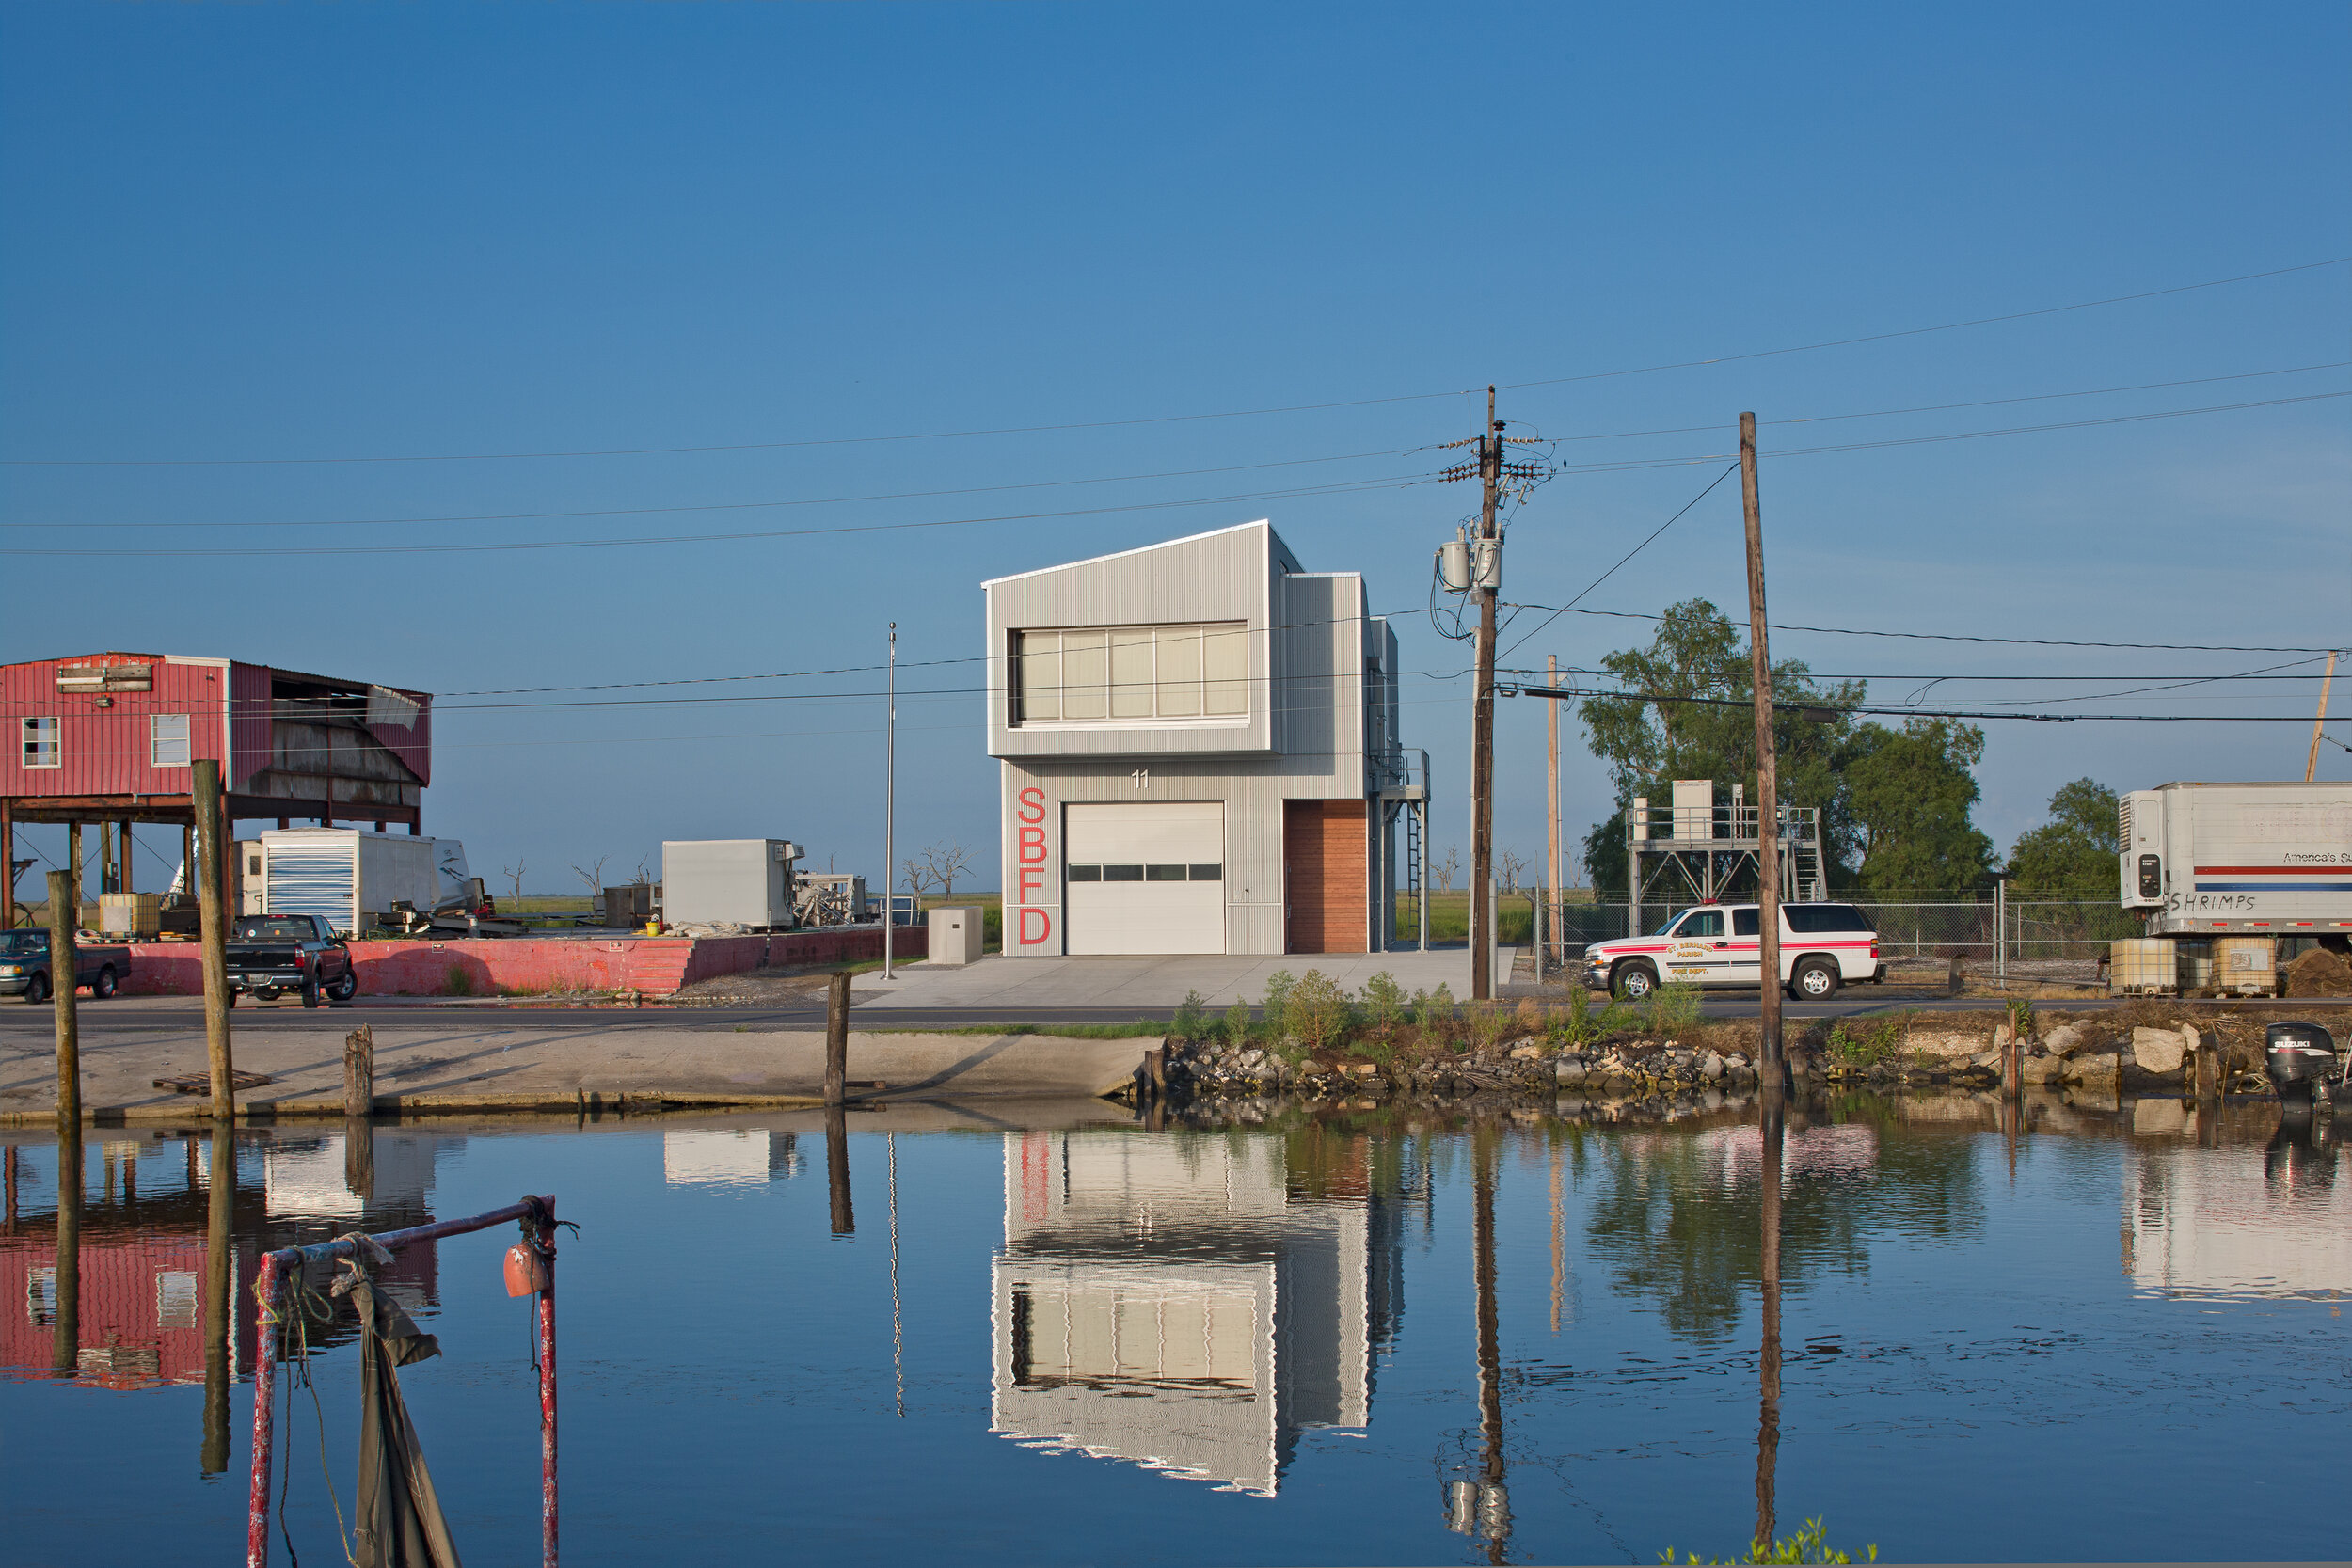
(890, 805)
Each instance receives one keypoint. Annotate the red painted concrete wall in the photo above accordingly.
(655, 966)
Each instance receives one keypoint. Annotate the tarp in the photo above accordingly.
(396, 1519)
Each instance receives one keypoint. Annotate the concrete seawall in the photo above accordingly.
(528, 966)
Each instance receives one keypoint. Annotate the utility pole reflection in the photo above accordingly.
(1768, 1360)
(1483, 1508)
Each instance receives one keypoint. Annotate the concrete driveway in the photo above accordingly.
(1155, 982)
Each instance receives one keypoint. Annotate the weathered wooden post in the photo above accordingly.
(2012, 1066)
(211, 854)
(358, 1108)
(360, 1071)
(63, 965)
(1155, 1071)
(836, 1038)
(2209, 1069)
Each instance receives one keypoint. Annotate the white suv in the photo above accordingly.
(1822, 947)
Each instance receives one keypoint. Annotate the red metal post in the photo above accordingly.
(264, 1382)
(546, 1388)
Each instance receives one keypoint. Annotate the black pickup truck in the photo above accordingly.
(25, 966)
(270, 954)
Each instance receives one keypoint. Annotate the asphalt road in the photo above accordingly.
(131, 1014)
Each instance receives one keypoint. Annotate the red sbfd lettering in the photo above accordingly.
(1035, 926)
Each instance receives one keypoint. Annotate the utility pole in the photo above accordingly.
(1483, 580)
(890, 805)
(1768, 1067)
(1551, 802)
(2310, 767)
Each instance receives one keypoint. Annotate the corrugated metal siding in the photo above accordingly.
(412, 746)
(106, 751)
(320, 877)
(248, 723)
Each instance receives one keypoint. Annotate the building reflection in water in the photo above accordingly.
(729, 1157)
(1192, 1303)
(142, 1285)
(2235, 1221)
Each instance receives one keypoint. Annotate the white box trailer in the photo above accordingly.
(349, 877)
(740, 881)
(2209, 859)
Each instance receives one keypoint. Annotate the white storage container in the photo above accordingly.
(740, 881)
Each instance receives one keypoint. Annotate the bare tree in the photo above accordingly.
(1446, 868)
(513, 874)
(642, 876)
(946, 863)
(593, 874)
(918, 875)
(1510, 865)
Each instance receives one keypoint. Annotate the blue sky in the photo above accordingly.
(297, 232)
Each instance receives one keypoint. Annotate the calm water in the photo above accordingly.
(1095, 1343)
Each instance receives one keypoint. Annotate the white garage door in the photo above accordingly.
(1144, 878)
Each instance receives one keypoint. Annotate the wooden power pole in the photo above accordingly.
(1552, 797)
(1485, 569)
(1768, 1068)
(212, 854)
(2311, 766)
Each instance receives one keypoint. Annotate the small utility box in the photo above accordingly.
(955, 934)
(746, 881)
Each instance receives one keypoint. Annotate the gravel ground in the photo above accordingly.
(752, 986)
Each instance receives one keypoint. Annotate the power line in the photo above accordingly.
(1919, 331)
(1958, 637)
(1336, 488)
(1832, 709)
(1165, 419)
(1622, 560)
(725, 506)
(1980, 403)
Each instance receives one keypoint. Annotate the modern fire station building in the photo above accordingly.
(1199, 753)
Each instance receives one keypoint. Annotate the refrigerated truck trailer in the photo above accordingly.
(2268, 859)
(348, 878)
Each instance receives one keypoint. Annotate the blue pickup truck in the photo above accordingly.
(25, 966)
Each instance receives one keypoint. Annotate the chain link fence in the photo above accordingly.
(2046, 929)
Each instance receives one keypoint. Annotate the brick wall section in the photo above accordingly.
(1324, 875)
(655, 966)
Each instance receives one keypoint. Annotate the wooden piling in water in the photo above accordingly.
(360, 1071)
(63, 965)
(212, 857)
(837, 1045)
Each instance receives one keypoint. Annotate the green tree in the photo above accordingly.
(1685, 714)
(1910, 792)
(2072, 855)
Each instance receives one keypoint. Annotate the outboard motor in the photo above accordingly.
(2301, 1060)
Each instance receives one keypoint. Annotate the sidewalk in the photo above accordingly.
(470, 1063)
(1154, 982)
